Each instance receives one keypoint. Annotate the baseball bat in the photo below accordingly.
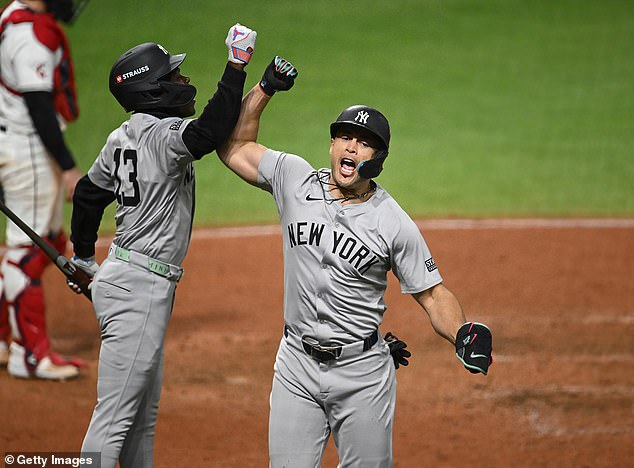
(74, 274)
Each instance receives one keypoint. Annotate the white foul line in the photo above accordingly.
(423, 224)
(440, 224)
(526, 223)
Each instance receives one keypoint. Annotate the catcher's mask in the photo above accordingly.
(137, 80)
(65, 10)
(372, 120)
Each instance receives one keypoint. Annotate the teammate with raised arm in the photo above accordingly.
(37, 100)
(342, 232)
(147, 166)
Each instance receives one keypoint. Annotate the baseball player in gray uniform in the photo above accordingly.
(147, 166)
(342, 232)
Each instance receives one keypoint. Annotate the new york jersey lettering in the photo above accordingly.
(303, 234)
(346, 247)
(353, 251)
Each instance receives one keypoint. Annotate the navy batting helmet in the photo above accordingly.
(135, 79)
(373, 121)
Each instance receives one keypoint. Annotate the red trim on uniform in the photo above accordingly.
(48, 32)
(60, 360)
(52, 36)
(9, 88)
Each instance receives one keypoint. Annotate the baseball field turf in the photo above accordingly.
(497, 107)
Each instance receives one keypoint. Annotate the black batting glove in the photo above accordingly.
(474, 347)
(279, 76)
(397, 350)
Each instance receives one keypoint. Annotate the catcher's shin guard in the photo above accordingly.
(22, 270)
(5, 328)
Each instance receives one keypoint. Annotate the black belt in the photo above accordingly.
(328, 353)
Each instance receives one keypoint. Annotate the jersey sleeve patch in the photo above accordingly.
(176, 125)
(431, 265)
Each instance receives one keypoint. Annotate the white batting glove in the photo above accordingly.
(241, 43)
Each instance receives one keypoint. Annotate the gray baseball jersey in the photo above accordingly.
(147, 165)
(336, 257)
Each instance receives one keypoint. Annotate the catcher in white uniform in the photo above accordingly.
(147, 166)
(342, 233)
(37, 100)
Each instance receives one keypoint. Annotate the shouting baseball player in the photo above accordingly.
(37, 100)
(342, 232)
(147, 166)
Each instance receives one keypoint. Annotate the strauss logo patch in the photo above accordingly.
(130, 74)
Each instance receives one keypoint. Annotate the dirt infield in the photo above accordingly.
(560, 303)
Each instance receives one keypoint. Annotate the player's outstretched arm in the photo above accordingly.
(443, 309)
(472, 340)
(219, 117)
(241, 153)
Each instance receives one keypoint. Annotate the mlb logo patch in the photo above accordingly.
(430, 264)
(176, 125)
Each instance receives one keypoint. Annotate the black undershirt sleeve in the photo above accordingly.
(89, 203)
(215, 124)
(44, 117)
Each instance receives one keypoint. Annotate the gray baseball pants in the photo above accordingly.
(353, 398)
(133, 307)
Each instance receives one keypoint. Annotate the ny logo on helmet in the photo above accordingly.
(362, 117)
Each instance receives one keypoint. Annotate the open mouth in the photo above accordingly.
(347, 167)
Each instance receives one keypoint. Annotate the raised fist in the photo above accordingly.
(279, 75)
(241, 43)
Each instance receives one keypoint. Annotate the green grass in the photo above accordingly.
(497, 107)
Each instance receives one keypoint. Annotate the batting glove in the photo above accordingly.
(88, 266)
(397, 350)
(279, 76)
(241, 43)
(474, 347)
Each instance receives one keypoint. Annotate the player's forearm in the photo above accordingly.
(89, 203)
(248, 125)
(444, 311)
(42, 112)
(219, 116)
(253, 106)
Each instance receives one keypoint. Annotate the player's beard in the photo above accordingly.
(348, 186)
